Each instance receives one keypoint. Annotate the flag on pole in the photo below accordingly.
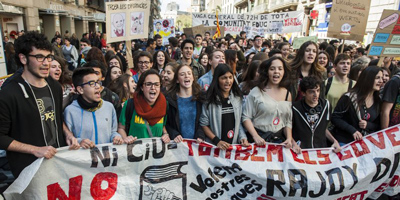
(218, 31)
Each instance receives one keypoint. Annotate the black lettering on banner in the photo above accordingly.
(129, 148)
(381, 161)
(339, 174)
(104, 158)
(272, 183)
(298, 184)
(323, 187)
(353, 173)
(395, 164)
(200, 187)
(157, 155)
(231, 169)
(115, 154)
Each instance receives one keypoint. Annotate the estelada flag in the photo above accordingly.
(218, 31)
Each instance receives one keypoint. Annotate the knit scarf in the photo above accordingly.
(91, 107)
(151, 114)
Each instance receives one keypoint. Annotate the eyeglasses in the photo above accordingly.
(149, 84)
(145, 62)
(92, 83)
(40, 57)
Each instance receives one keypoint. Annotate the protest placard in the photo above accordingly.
(127, 20)
(151, 169)
(387, 35)
(273, 23)
(201, 29)
(348, 19)
(300, 40)
(165, 28)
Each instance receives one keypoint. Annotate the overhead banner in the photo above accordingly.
(150, 169)
(273, 23)
(127, 20)
(232, 23)
(284, 22)
(201, 29)
(386, 39)
(348, 19)
(165, 28)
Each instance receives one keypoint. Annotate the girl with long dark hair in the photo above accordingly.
(267, 113)
(357, 112)
(222, 111)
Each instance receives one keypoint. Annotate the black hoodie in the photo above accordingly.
(20, 120)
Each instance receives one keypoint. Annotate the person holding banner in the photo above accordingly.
(305, 64)
(99, 117)
(222, 107)
(357, 113)
(31, 107)
(185, 102)
(267, 114)
(144, 116)
(311, 116)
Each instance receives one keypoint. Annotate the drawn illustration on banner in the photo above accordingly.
(165, 28)
(118, 25)
(137, 23)
(160, 181)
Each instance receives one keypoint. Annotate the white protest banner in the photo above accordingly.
(165, 28)
(284, 22)
(127, 20)
(232, 23)
(150, 169)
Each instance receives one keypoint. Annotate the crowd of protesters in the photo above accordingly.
(230, 90)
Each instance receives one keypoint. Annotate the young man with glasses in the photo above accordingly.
(144, 61)
(31, 107)
(256, 45)
(92, 120)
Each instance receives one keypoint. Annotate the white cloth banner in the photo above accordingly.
(150, 169)
(285, 22)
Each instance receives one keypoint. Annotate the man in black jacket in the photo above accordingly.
(311, 116)
(31, 107)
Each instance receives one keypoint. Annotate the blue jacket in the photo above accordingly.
(85, 124)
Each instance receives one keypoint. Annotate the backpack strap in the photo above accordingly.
(328, 85)
(287, 95)
(130, 107)
(350, 84)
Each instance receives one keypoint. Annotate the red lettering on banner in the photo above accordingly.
(295, 158)
(95, 187)
(355, 196)
(357, 152)
(307, 158)
(228, 152)
(189, 143)
(347, 155)
(55, 192)
(204, 149)
(326, 159)
(292, 22)
(392, 136)
(381, 140)
(382, 187)
(274, 149)
(254, 156)
(394, 182)
(242, 150)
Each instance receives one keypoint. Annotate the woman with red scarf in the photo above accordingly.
(144, 116)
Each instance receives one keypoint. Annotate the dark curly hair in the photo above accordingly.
(263, 70)
(23, 45)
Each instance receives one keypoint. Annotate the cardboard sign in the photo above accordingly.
(127, 20)
(301, 40)
(201, 29)
(349, 19)
(151, 169)
(386, 39)
(165, 28)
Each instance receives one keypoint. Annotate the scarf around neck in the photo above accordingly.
(91, 107)
(152, 114)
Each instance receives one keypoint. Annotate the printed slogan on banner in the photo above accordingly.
(150, 169)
